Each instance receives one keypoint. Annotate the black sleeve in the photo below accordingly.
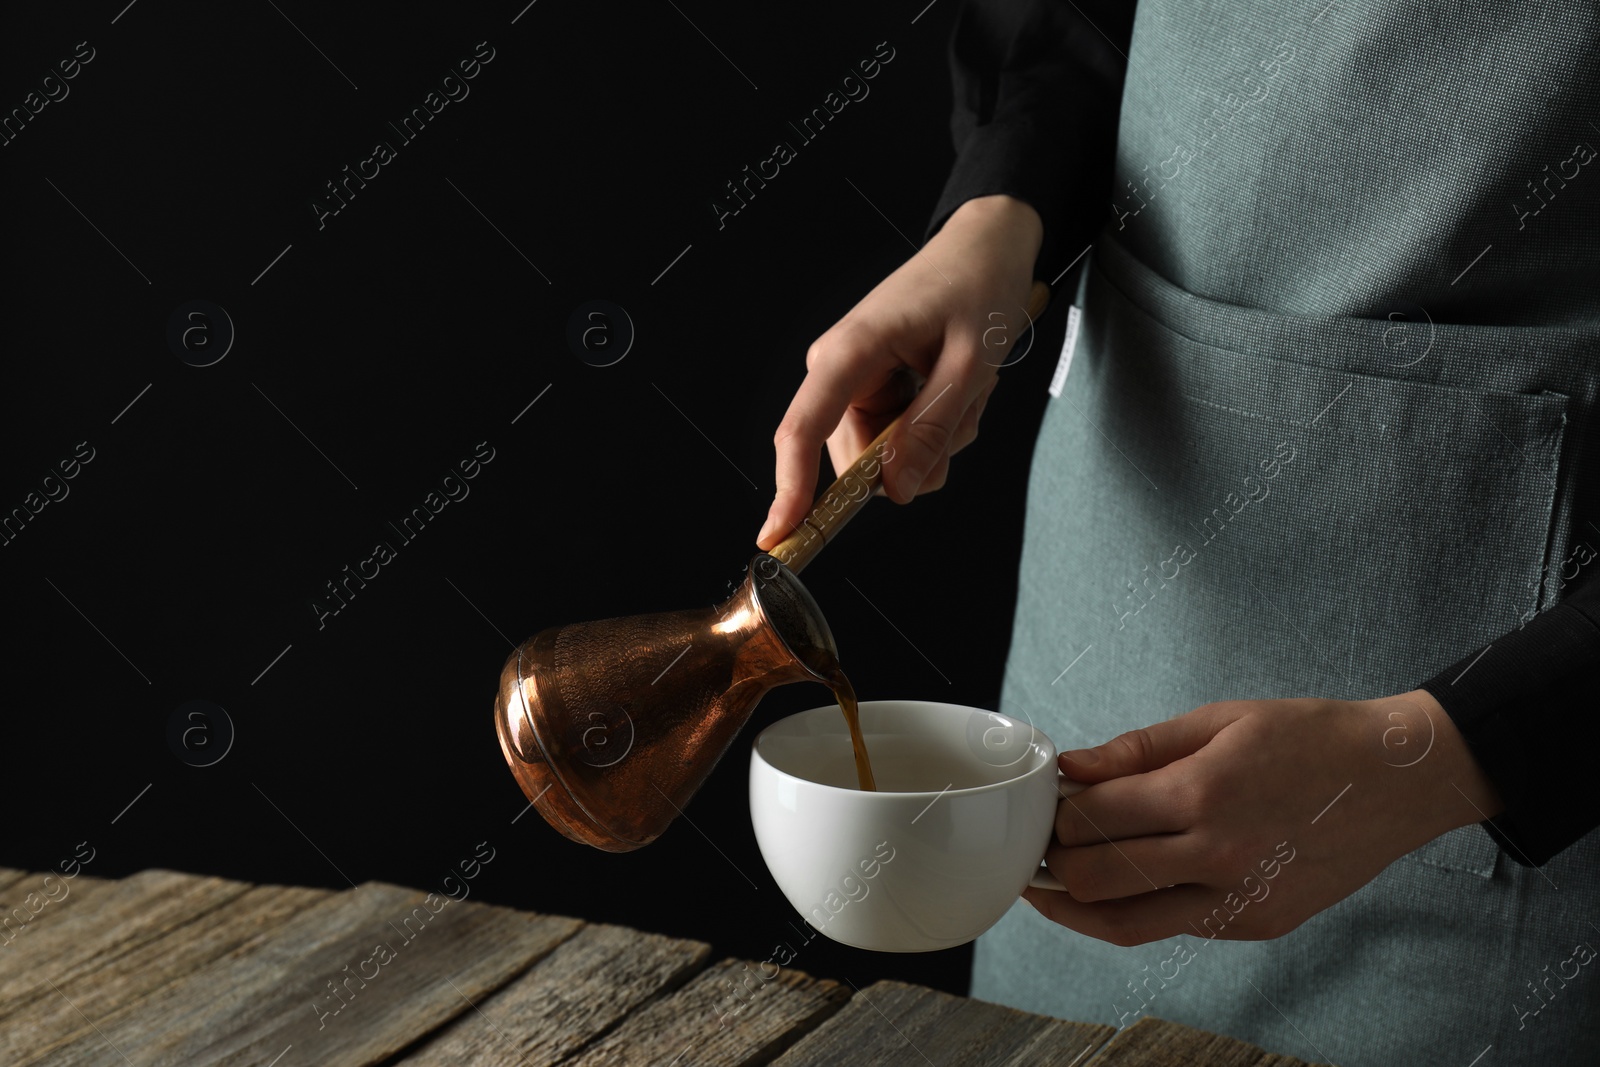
(1525, 705)
(1038, 86)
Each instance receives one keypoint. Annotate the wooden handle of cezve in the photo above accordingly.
(855, 486)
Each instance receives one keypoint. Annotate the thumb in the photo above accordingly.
(1145, 749)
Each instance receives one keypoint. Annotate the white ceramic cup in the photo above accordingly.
(964, 810)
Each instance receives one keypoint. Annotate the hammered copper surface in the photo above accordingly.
(611, 726)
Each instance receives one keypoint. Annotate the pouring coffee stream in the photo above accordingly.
(611, 726)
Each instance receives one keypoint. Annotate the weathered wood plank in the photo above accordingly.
(30, 893)
(579, 991)
(1152, 1042)
(404, 963)
(896, 1023)
(242, 921)
(10, 876)
(100, 921)
(164, 968)
(730, 1016)
(28, 914)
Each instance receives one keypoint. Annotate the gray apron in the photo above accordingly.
(1321, 434)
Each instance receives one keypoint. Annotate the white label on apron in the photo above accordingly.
(1059, 379)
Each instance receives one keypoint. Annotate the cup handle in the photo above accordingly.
(1042, 878)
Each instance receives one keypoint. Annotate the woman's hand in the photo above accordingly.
(1243, 819)
(933, 319)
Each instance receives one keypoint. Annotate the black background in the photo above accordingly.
(396, 338)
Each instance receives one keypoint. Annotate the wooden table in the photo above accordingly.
(169, 968)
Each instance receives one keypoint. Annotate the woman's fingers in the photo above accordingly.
(966, 430)
(863, 422)
(924, 438)
(965, 433)
(937, 476)
(1128, 868)
(1145, 804)
(1149, 747)
(1152, 916)
(843, 364)
(918, 320)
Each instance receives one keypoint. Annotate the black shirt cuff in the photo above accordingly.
(1526, 707)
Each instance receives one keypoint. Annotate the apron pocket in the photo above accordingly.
(1353, 525)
